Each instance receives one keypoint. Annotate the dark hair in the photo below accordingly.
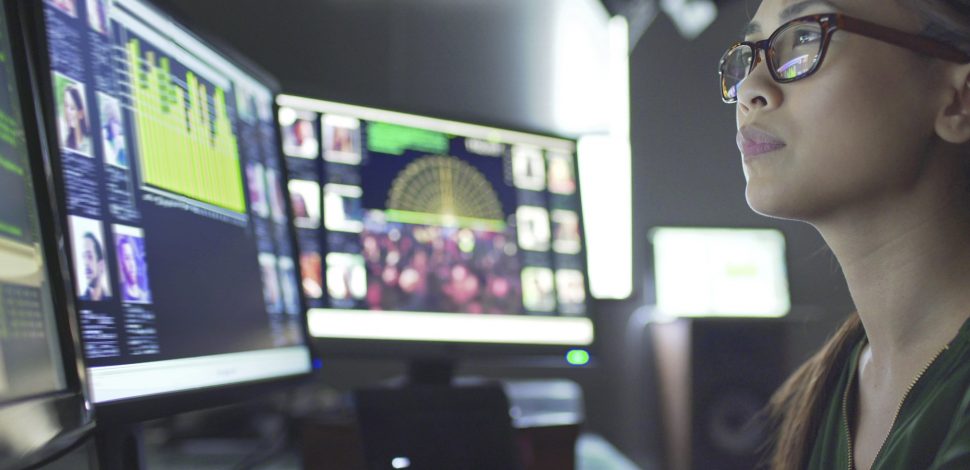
(944, 20)
(97, 245)
(795, 410)
(76, 96)
(122, 241)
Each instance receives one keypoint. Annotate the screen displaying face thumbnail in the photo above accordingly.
(184, 266)
(30, 360)
(409, 215)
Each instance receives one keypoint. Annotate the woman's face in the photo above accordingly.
(71, 111)
(129, 263)
(852, 135)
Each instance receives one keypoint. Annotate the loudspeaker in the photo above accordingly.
(715, 376)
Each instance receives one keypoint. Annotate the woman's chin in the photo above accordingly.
(777, 204)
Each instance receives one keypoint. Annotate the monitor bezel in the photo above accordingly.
(70, 408)
(145, 407)
(530, 354)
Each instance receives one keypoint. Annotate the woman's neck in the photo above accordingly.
(907, 265)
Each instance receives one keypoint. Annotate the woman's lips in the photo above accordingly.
(753, 142)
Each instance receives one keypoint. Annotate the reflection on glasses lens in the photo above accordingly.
(734, 69)
(795, 50)
(793, 53)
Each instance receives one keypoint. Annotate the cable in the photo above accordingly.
(86, 433)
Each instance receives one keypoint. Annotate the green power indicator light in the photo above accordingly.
(577, 357)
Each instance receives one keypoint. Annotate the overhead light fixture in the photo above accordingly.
(690, 17)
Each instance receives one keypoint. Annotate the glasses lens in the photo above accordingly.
(734, 69)
(795, 50)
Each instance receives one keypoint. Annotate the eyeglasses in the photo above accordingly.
(796, 49)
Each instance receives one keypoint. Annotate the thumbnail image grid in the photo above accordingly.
(440, 269)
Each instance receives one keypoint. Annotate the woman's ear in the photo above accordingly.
(953, 121)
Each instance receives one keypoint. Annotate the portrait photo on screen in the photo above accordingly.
(570, 287)
(346, 276)
(67, 6)
(565, 232)
(305, 197)
(532, 225)
(98, 15)
(256, 179)
(73, 122)
(538, 291)
(271, 283)
(562, 173)
(341, 139)
(274, 191)
(343, 210)
(311, 273)
(132, 267)
(112, 131)
(288, 284)
(528, 168)
(299, 130)
(92, 280)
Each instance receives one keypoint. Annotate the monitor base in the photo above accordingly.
(440, 372)
(436, 426)
(120, 447)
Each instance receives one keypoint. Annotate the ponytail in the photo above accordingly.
(796, 408)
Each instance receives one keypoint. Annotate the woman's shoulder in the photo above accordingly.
(954, 451)
(951, 398)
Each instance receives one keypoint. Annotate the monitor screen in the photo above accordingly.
(720, 272)
(30, 358)
(419, 229)
(172, 184)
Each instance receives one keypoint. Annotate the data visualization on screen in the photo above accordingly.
(184, 265)
(413, 228)
(189, 149)
(30, 358)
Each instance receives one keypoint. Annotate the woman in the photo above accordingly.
(131, 276)
(76, 121)
(857, 121)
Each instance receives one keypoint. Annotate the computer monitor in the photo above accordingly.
(417, 232)
(43, 409)
(166, 164)
(720, 272)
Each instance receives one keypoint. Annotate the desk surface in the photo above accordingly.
(592, 453)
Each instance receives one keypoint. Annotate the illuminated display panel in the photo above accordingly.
(720, 272)
(419, 229)
(30, 356)
(184, 268)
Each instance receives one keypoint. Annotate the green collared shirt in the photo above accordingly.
(932, 429)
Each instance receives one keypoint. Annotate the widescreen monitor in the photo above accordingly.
(720, 272)
(166, 161)
(42, 404)
(415, 229)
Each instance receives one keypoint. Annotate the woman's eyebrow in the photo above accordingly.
(751, 28)
(789, 13)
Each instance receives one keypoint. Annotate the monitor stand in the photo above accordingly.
(432, 422)
(430, 372)
(120, 446)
